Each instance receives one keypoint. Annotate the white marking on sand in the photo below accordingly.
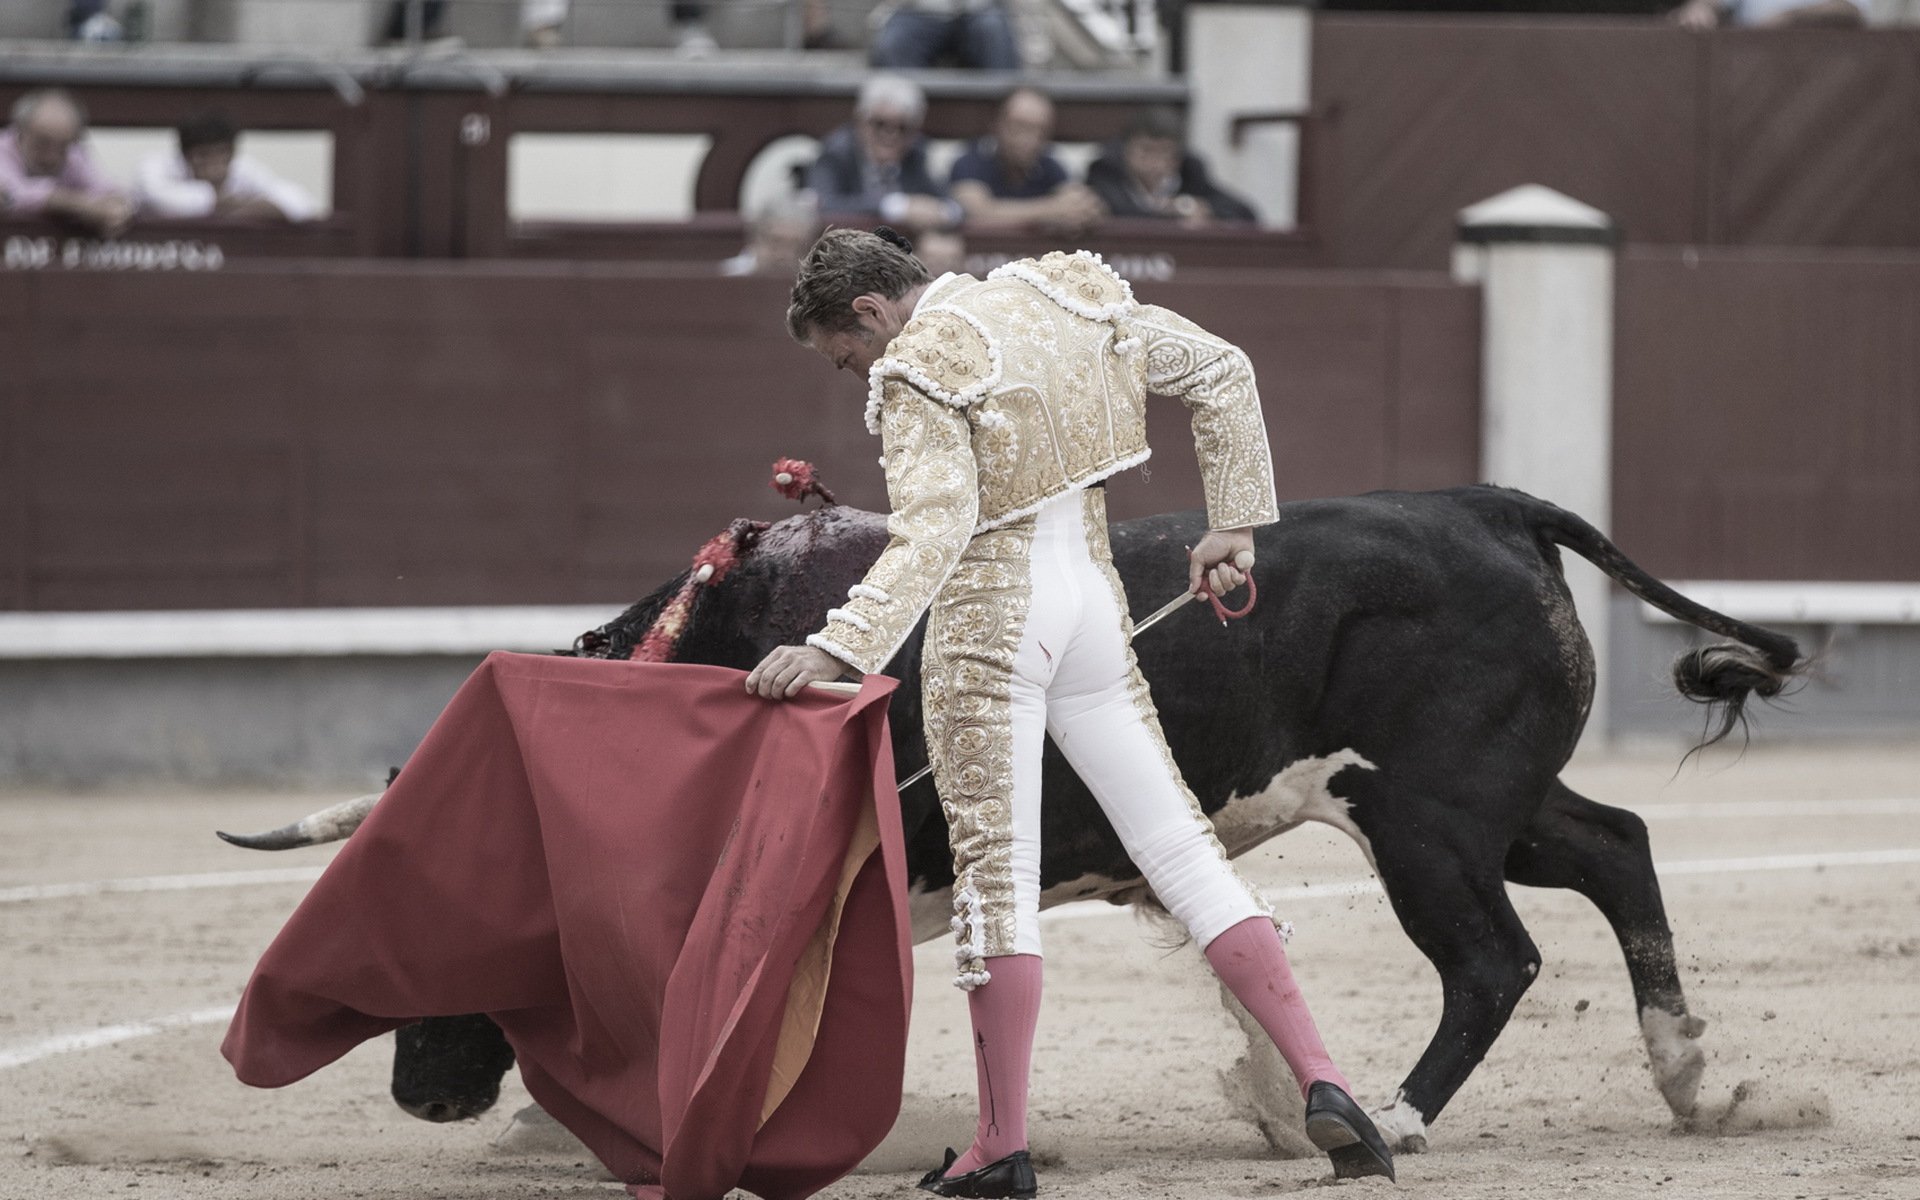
(1735, 809)
(107, 1035)
(159, 883)
(1791, 862)
(90, 1039)
(1890, 806)
(1697, 866)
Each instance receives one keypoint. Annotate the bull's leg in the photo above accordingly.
(1444, 881)
(1602, 853)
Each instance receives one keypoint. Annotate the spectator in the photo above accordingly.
(977, 34)
(89, 21)
(692, 39)
(1148, 173)
(205, 178)
(432, 13)
(876, 165)
(45, 166)
(1011, 179)
(778, 236)
(1771, 14)
(941, 252)
(540, 21)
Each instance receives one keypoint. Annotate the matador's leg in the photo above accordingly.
(986, 718)
(1102, 717)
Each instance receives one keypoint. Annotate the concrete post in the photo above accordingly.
(1247, 60)
(1544, 263)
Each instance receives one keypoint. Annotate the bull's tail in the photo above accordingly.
(1721, 676)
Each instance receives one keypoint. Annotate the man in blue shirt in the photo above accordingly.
(1009, 179)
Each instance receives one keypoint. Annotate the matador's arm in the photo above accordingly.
(1215, 380)
(933, 486)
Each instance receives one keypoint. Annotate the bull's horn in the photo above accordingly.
(327, 825)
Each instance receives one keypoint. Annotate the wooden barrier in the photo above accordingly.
(286, 435)
(1765, 424)
(1737, 137)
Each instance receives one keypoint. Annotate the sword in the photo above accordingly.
(1243, 560)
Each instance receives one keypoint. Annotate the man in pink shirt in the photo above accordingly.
(45, 166)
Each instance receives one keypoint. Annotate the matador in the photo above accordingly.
(1002, 404)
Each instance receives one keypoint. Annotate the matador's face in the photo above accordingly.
(856, 349)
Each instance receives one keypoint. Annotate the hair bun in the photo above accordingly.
(893, 237)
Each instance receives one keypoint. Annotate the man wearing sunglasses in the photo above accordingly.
(876, 165)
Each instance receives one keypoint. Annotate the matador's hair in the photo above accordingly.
(844, 264)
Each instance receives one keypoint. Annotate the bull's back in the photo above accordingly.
(1443, 618)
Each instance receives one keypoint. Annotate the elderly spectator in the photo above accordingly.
(1771, 14)
(1148, 173)
(1010, 179)
(877, 164)
(778, 236)
(205, 178)
(45, 166)
(976, 34)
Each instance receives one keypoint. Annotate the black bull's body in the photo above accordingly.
(1429, 634)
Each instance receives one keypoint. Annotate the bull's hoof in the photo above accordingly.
(1336, 1125)
(1404, 1129)
(1674, 1053)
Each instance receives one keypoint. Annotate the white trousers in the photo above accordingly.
(1074, 678)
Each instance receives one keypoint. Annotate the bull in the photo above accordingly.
(1414, 676)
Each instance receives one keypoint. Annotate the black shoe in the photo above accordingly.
(1011, 1177)
(1336, 1125)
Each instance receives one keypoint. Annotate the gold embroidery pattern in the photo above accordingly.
(946, 353)
(1101, 549)
(1053, 401)
(966, 670)
(1078, 281)
(933, 488)
(1215, 380)
(1076, 405)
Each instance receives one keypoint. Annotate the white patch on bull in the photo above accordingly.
(929, 911)
(1087, 887)
(1402, 1125)
(1673, 1049)
(1297, 794)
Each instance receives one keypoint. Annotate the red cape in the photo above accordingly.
(622, 864)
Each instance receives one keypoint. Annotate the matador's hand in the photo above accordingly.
(1217, 560)
(789, 668)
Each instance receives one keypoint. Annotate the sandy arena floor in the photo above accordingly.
(1792, 878)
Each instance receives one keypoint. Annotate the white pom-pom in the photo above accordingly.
(1126, 346)
(1286, 931)
(704, 573)
(783, 478)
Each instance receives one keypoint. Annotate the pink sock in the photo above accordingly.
(1251, 961)
(1005, 1011)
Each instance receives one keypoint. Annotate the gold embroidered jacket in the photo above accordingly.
(1003, 393)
